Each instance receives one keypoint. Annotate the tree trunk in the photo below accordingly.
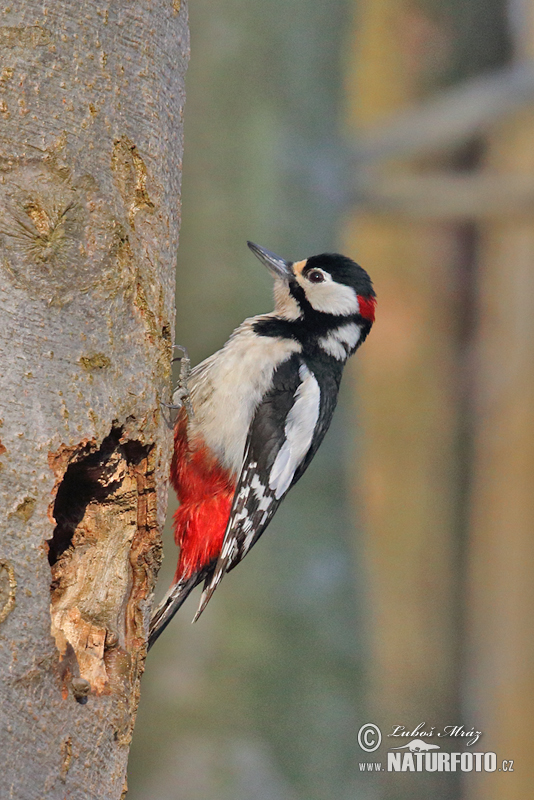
(91, 100)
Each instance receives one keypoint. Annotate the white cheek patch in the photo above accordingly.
(330, 297)
(299, 430)
(340, 342)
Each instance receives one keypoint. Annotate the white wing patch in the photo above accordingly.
(299, 429)
(341, 341)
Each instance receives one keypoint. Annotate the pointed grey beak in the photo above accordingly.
(279, 267)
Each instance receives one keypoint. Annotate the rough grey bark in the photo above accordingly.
(91, 97)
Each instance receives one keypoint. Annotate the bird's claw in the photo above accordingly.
(181, 393)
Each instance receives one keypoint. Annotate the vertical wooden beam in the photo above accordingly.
(407, 404)
(500, 687)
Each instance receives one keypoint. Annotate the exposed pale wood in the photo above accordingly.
(91, 100)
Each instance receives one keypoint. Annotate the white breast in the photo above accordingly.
(227, 388)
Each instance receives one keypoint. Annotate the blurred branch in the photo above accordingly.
(455, 116)
(446, 196)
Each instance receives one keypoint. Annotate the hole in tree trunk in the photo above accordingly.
(89, 478)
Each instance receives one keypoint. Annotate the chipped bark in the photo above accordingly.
(8, 589)
(103, 555)
(131, 175)
(91, 101)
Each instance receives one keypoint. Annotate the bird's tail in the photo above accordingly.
(170, 604)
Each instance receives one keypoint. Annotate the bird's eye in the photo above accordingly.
(315, 276)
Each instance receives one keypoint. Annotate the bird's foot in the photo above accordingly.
(181, 396)
(181, 393)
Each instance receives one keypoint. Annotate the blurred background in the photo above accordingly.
(396, 583)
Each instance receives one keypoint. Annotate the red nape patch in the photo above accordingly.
(367, 307)
(205, 491)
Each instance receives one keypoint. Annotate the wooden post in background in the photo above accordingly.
(500, 685)
(407, 404)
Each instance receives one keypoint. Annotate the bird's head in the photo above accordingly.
(327, 284)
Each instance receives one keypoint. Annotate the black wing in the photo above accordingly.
(287, 428)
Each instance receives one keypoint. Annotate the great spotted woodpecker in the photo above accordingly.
(261, 407)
